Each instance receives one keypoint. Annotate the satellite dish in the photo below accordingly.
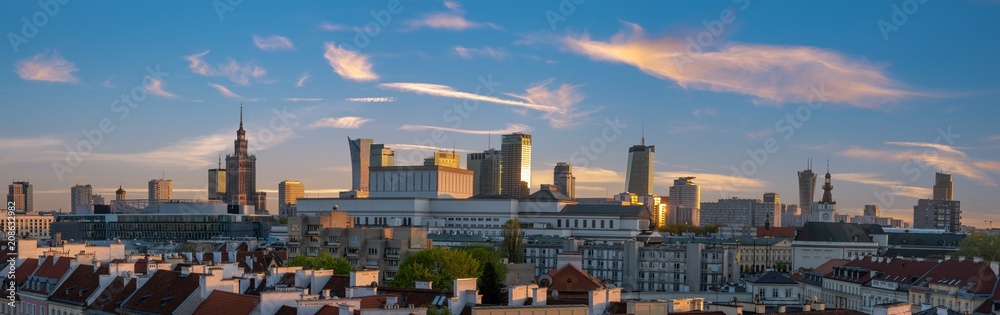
(555, 294)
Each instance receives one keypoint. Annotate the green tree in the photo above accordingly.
(980, 245)
(488, 254)
(186, 247)
(324, 261)
(513, 241)
(491, 287)
(437, 264)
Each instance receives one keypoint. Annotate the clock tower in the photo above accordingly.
(825, 210)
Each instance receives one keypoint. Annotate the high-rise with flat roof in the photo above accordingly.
(942, 211)
(485, 167)
(80, 195)
(443, 158)
(515, 169)
(807, 189)
(639, 173)
(382, 155)
(21, 195)
(289, 191)
(944, 188)
(160, 189)
(685, 202)
(562, 177)
(360, 161)
(217, 183)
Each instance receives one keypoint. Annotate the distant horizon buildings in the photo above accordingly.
(21, 194)
(160, 189)
(737, 212)
(685, 202)
(563, 179)
(381, 155)
(289, 191)
(486, 170)
(639, 171)
(217, 182)
(942, 211)
(807, 189)
(515, 165)
(80, 195)
(443, 158)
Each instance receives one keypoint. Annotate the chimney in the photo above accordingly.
(781, 309)
(424, 285)
(326, 294)
(346, 309)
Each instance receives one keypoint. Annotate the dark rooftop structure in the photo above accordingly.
(837, 232)
(163, 293)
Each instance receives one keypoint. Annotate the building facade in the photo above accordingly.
(685, 202)
(515, 165)
(485, 167)
(20, 193)
(562, 177)
(420, 181)
(443, 158)
(217, 183)
(160, 227)
(360, 162)
(289, 192)
(639, 171)
(382, 155)
(80, 195)
(807, 189)
(944, 188)
(740, 212)
(241, 173)
(938, 214)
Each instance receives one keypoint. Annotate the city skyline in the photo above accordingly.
(308, 84)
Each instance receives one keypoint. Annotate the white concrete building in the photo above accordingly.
(429, 181)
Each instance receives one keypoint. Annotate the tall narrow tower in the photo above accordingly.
(241, 172)
(826, 208)
(639, 172)
(360, 161)
(807, 189)
(944, 188)
(562, 177)
(515, 165)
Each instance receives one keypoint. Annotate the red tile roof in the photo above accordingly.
(52, 269)
(287, 310)
(338, 285)
(328, 310)
(966, 275)
(571, 278)
(415, 297)
(904, 271)
(26, 269)
(859, 270)
(114, 295)
(221, 302)
(163, 292)
(78, 287)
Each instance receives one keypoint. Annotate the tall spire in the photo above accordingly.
(827, 187)
(241, 116)
(642, 141)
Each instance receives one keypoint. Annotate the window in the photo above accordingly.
(354, 239)
(295, 227)
(372, 251)
(612, 223)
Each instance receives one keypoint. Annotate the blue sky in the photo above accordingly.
(705, 90)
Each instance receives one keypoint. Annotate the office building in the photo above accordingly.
(382, 155)
(443, 158)
(289, 192)
(562, 177)
(360, 162)
(819, 242)
(944, 188)
(685, 202)
(97, 199)
(241, 174)
(160, 227)
(217, 183)
(161, 189)
(740, 212)
(653, 266)
(80, 195)
(368, 247)
(31, 225)
(639, 172)
(938, 214)
(515, 169)
(420, 182)
(807, 189)
(772, 197)
(21, 195)
(485, 167)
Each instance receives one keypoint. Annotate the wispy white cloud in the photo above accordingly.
(302, 80)
(453, 20)
(932, 156)
(760, 134)
(15, 144)
(349, 64)
(273, 42)
(303, 99)
(469, 53)
(47, 67)
(194, 153)
(769, 73)
(684, 128)
(707, 112)
(896, 187)
(241, 74)
(425, 148)
(227, 93)
(346, 122)
(331, 27)
(511, 128)
(371, 99)
(155, 87)
(559, 104)
(995, 138)
(107, 83)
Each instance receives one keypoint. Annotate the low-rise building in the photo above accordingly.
(773, 288)
(819, 242)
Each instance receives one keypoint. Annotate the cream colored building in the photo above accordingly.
(420, 181)
(289, 191)
(32, 225)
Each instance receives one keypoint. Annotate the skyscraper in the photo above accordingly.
(288, 193)
(807, 189)
(562, 177)
(485, 169)
(160, 189)
(443, 158)
(241, 173)
(360, 161)
(944, 188)
(639, 174)
(217, 183)
(80, 195)
(515, 165)
(97, 199)
(21, 195)
(382, 155)
(685, 202)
